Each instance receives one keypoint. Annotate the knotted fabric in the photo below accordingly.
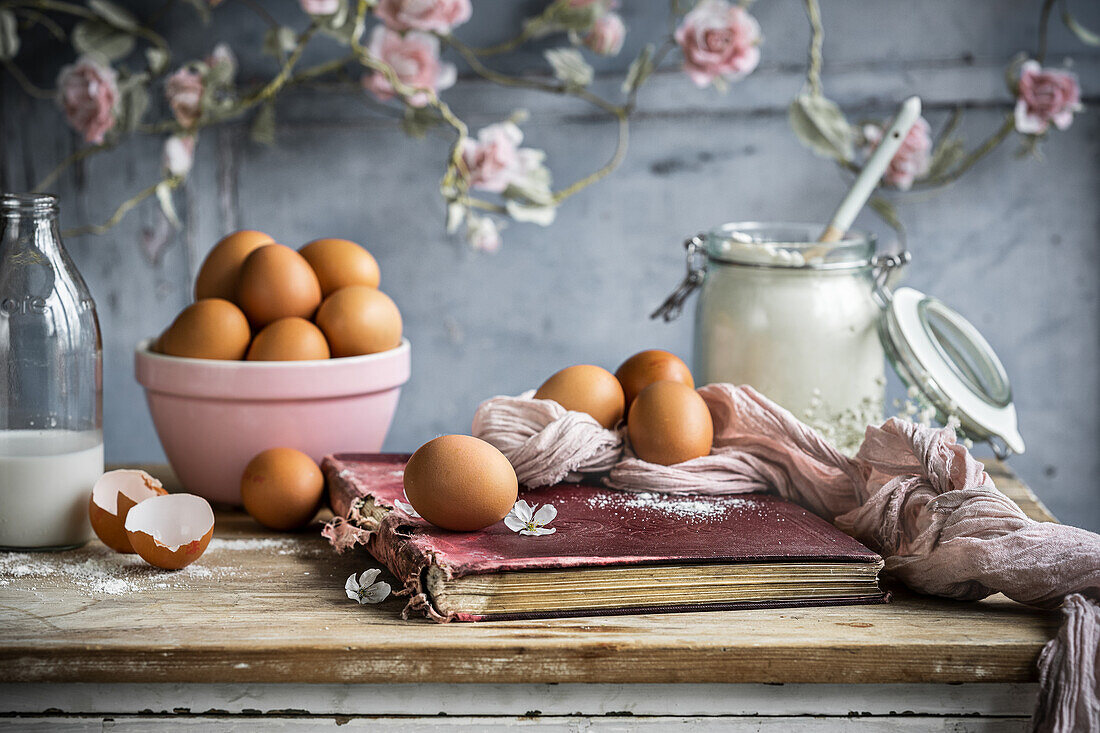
(543, 441)
(911, 493)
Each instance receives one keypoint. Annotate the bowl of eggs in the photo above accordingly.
(281, 348)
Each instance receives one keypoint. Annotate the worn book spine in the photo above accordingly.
(379, 530)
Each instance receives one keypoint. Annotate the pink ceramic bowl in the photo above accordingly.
(212, 416)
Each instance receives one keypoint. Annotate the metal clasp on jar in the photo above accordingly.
(696, 271)
(883, 267)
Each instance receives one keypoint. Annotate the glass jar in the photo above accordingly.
(51, 437)
(793, 318)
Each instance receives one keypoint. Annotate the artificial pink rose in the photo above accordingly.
(607, 34)
(718, 40)
(320, 7)
(184, 92)
(414, 58)
(88, 91)
(913, 157)
(179, 154)
(438, 16)
(493, 160)
(1045, 96)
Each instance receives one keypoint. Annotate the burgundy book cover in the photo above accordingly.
(595, 527)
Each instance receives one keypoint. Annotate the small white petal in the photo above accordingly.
(406, 507)
(538, 531)
(514, 523)
(523, 510)
(352, 588)
(368, 577)
(545, 515)
(376, 593)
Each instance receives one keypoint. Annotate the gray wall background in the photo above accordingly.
(1013, 245)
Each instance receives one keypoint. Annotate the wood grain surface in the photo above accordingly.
(267, 607)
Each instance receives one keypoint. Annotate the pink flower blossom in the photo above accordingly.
(607, 35)
(1045, 96)
(438, 16)
(184, 92)
(179, 154)
(320, 7)
(494, 159)
(718, 40)
(913, 157)
(414, 58)
(482, 233)
(88, 91)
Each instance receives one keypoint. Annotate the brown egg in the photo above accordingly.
(340, 263)
(276, 282)
(669, 423)
(217, 277)
(282, 488)
(460, 483)
(289, 339)
(113, 496)
(170, 531)
(586, 388)
(647, 367)
(359, 320)
(212, 328)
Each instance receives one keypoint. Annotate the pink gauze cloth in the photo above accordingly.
(543, 441)
(911, 493)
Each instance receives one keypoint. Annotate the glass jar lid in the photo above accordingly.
(788, 245)
(938, 352)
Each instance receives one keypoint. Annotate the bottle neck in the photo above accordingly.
(29, 221)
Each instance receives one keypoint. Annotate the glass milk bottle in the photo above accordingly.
(51, 437)
(795, 319)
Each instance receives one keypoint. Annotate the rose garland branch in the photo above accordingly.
(81, 12)
(27, 85)
(615, 162)
(71, 159)
(817, 40)
(514, 81)
(1044, 24)
(988, 146)
(124, 208)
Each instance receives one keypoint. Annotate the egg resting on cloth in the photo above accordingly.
(543, 441)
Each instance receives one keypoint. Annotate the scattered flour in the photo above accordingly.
(95, 570)
(688, 508)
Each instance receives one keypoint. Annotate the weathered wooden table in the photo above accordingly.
(259, 633)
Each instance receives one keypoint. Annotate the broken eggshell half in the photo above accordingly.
(171, 531)
(113, 495)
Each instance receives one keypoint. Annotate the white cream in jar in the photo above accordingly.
(797, 321)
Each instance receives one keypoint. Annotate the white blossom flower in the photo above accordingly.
(524, 519)
(366, 590)
(406, 507)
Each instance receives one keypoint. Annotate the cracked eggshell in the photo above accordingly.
(171, 531)
(113, 495)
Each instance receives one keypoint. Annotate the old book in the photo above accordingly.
(612, 553)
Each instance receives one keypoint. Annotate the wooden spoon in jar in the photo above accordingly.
(869, 177)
